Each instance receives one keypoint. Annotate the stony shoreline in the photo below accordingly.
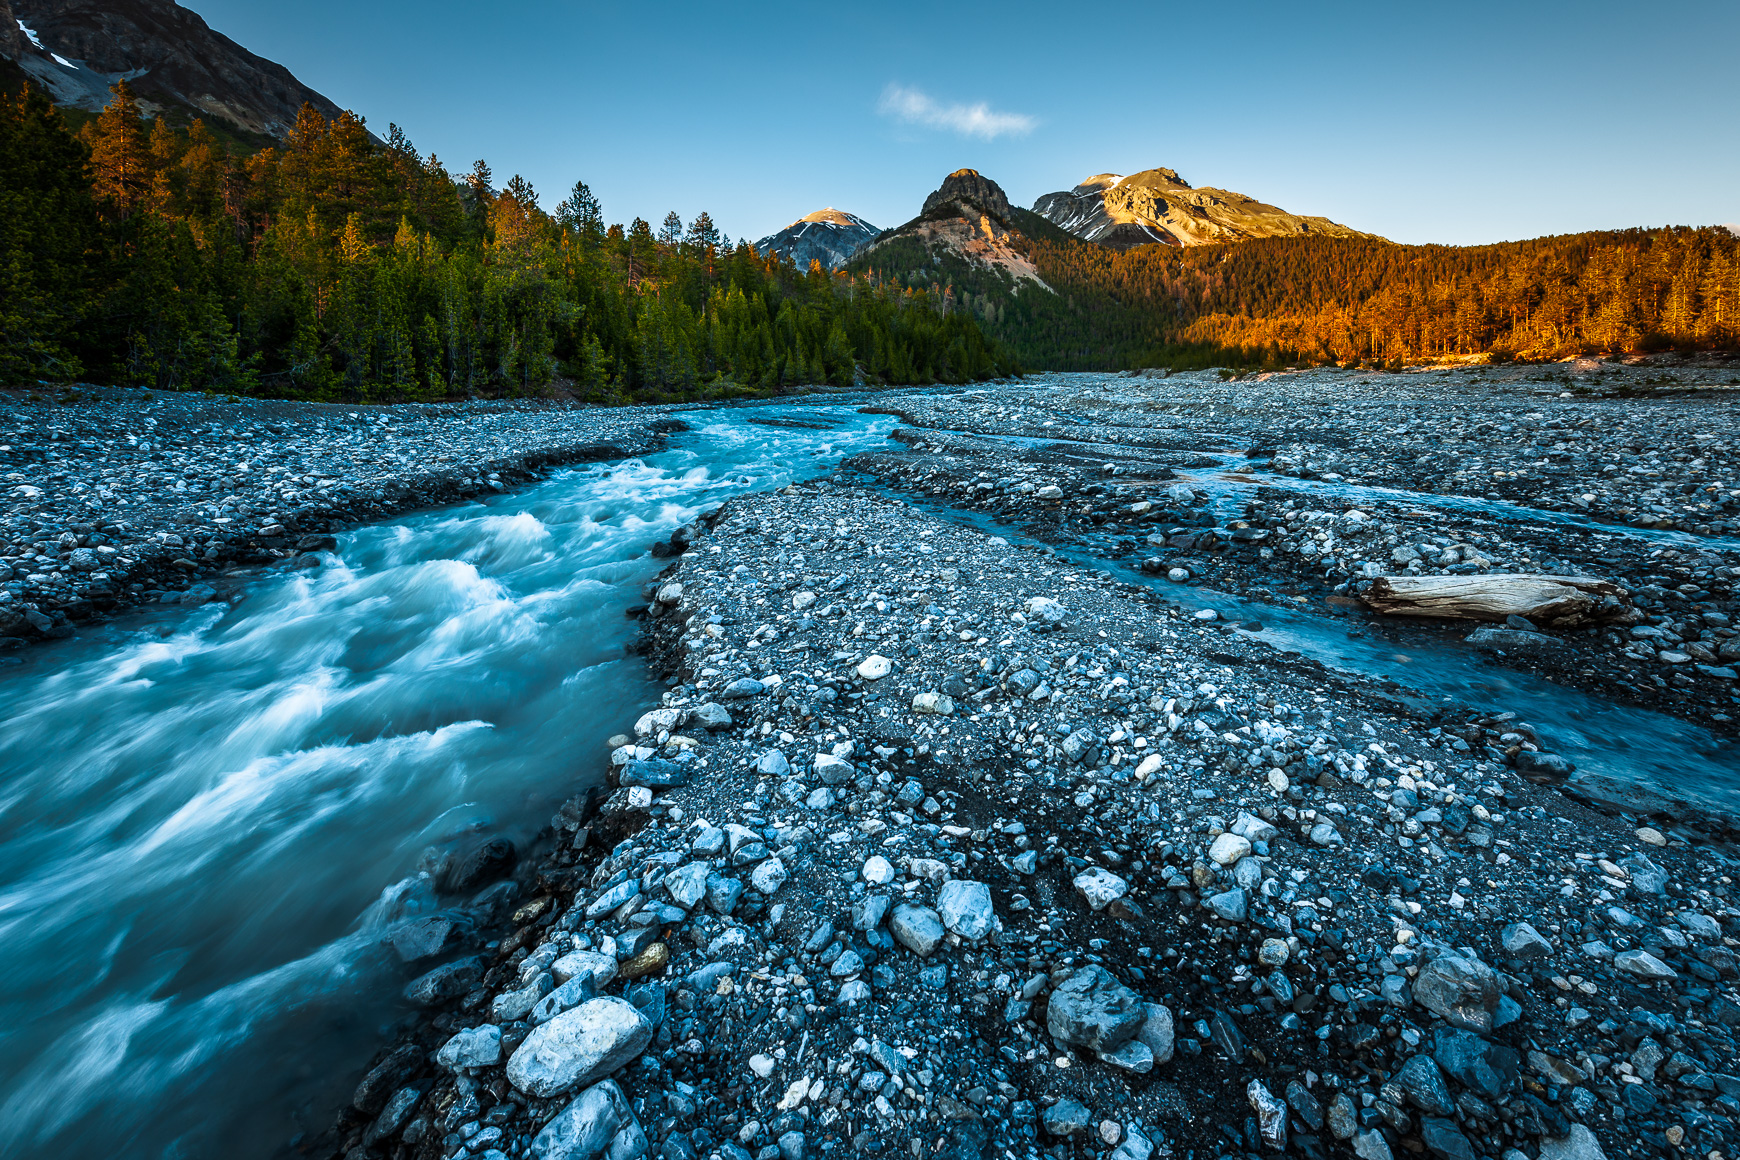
(938, 847)
(125, 498)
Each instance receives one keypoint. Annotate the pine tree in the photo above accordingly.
(581, 214)
(671, 233)
(121, 165)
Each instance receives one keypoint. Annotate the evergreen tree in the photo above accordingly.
(671, 233)
(121, 162)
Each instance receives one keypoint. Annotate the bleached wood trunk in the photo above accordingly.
(1563, 600)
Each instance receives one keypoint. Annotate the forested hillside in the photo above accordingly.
(1344, 299)
(341, 268)
(1280, 301)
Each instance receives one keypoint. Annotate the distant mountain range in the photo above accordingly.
(828, 236)
(169, 57)
(971, 215)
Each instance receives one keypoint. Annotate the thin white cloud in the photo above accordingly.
(915, 107)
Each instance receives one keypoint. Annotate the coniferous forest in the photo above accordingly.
(342, 267)
(339, 266)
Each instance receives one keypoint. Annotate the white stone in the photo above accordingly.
(656, 722)
(590, 964)
(933, 703)
(1100, 887)
(917, 928)
(878, 871)
(803, 600)
(769, 876)
(475, 1047)
(1046, 609)
(1228, 849)
(874, 667)
(1150, 765)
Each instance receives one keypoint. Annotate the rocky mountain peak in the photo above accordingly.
(829, 236)
(1158, 206)
(971, 187)
(167, 54)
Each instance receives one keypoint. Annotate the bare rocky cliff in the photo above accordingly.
(967, 217)
(1157, 205)
(829, 236)
(167, 54)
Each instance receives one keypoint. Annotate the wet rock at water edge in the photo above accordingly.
(477, 867)
(445, 983)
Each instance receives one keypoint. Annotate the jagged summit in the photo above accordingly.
(970, 187)
(168, 55)
(829, 236)
(1157, 205)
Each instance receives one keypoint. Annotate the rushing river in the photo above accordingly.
(207, 821)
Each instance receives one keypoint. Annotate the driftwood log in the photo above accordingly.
(1563, 601)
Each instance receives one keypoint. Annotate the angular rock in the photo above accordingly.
(917, 928)
(1459, 988)
(475, 1047)
(1157, 1031)
(1644, 965)
(446, 983)
(1100, 887)
(1065, 1118)
(1092, 1009)
(965, 908)
(1579, 1144)
(598, 1125)
(1271, 1115)
(1523, 941)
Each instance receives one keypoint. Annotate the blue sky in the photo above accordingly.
(1463, 123)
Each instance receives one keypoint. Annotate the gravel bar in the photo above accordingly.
(942, 847)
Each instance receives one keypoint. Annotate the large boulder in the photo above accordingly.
(1092, 1009)
(579, 1047)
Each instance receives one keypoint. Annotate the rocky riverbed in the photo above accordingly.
(115, 498)
(939, 846)
(1299, 490)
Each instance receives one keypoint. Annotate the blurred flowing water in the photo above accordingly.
(208, 822)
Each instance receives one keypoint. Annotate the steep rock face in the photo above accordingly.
(1157, 205)
(970, 187)
(12, 41)
(828, 236)
(968, 217)
(167, 54)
